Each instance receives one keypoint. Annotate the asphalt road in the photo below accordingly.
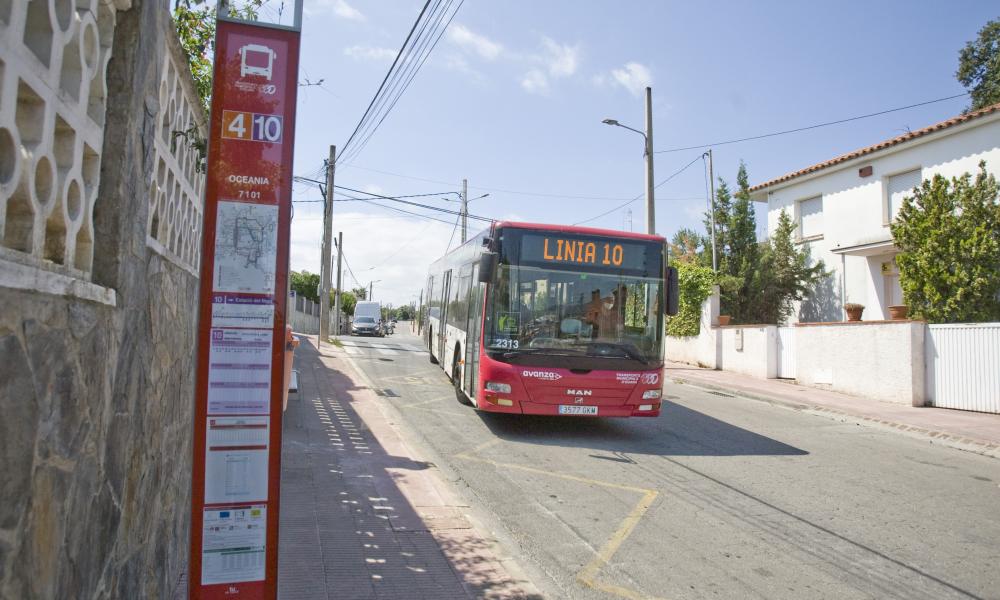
(719, 497)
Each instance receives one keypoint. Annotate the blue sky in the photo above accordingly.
(513, 96)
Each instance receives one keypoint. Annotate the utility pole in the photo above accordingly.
(465, 207)
(324, 278)
(371, 288)
(650, 211)
(711, 207)
(336, 305)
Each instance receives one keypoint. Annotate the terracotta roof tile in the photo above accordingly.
(963, 118)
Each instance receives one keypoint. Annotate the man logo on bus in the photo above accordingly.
(572, 392)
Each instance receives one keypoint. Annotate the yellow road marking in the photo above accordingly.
(588, 575)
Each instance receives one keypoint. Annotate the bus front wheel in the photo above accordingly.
(456, 380)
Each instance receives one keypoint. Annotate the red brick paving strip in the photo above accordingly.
(360, 516)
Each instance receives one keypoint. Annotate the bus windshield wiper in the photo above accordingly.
(626, 350)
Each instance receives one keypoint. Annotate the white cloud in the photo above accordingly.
(345, 11)
(555, 61)
(634, 77)
(387, 247)
(561, 60)
(535, 82)
(454, 62)
(480, 44)
(371, 188)
(370, 53)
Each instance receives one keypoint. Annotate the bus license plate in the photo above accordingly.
(577, 410)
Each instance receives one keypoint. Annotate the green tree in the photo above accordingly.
(347, 302)
(306, 284)
(948, 234)
(695, 284)
(979, 66)
(195, 24)
(361, 293)
(783, 277)
(722, 209)
(742, 253)
(684, 247)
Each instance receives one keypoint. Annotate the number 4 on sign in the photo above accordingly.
(237, 127)
(234, 125)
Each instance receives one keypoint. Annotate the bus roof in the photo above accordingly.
(583, 230)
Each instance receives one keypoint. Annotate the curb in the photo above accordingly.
(933, 436)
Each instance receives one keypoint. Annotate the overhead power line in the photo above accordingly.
(427, 206)
(419, 43)
(412, 67)
(348, 265)
(621, 206)
(808, 127)
(385, 79)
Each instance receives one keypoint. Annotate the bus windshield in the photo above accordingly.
(579, 313)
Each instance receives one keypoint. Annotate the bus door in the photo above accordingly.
(474, 329)
(443, 321)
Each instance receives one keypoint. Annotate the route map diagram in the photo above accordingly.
(246, 241)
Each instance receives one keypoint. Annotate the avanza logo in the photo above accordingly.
(572, 392)
(545, 375)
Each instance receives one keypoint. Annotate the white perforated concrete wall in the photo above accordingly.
(53, 59)
(178, 182)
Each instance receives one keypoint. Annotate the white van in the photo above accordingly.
(367, 319)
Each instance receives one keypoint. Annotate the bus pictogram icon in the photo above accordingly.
(256, 59)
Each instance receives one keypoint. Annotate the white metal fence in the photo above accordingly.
(963, 366)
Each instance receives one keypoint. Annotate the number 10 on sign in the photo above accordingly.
(239, 125)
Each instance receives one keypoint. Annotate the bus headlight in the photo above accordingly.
(651, 395)
(500, 388)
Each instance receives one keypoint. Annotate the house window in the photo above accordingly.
(898, 187)
(811, 217)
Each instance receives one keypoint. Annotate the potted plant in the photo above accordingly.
(897, 312)
(854, 311)
(724, 320)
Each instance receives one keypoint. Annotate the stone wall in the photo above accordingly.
(97, 344)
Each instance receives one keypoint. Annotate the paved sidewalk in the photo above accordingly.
(361, 516)
(973, 432)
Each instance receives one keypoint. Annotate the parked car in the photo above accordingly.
(366, 326)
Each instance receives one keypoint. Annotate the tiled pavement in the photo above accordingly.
(360, 518)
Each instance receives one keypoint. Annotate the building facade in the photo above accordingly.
(843, 207)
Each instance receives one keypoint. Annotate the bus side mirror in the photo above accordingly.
(487, 265)
(673, 290)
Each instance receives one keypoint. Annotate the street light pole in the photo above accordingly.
(650, 209)
(465, 209)
(324, 296)
(336, 306)
(711, 207)
(648, 154)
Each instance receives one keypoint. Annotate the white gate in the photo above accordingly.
(963, 366)
(786, 352)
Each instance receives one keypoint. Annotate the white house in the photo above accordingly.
(843, 207)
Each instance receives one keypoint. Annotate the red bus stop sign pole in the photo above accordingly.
(236, 467)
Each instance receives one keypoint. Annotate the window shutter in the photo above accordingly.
(901, 186)
(811, 217)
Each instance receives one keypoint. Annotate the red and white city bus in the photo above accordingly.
(552, 320)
